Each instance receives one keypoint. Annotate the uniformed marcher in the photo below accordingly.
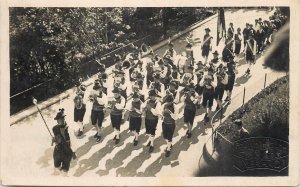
(117, 105)
(246, 33)
(231, 71)
(222, 81)
(190, 99)
(135, 116)
(100, 101)
(170, 115)
(79, 112)
(170, 52)
(237, 42)
(250, 52)
(63, 153)
(230, 31)
(208, 84)
(152, 110)
(206, 45)
(227, 52)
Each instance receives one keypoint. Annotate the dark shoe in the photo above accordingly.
(227, 99)
(189, 135)
(206, 119)
(168, 153)
(117, 141)
(98, 139)
(115, 137)
(80, 133)
(96, 135)
(149, 143)
(151, 149)
(74, 156)
(248, 71)
(135, 142)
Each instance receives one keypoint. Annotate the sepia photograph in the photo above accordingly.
(164, 92)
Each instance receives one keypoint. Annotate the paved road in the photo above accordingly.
(30, 151)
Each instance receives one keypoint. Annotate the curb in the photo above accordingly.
(32, 110)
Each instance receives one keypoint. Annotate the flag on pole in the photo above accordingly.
(221, 28)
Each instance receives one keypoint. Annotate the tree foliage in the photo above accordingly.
(56, 46)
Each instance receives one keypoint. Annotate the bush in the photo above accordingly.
(266, 114)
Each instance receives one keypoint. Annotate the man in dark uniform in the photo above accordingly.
(63, 153)
(230, 31)
(152, 111)
(79, 111)
(169, 113)
(227, 53)
(237, 42)
(250, 52)
(99, 100)
(150, 71)
(190, 98)
(246, 33)
(135, 116)
(222, 81)
(206, 45)
(117, 105)
(171, 52)
(208, 85)
(102, 76)
(231, 79)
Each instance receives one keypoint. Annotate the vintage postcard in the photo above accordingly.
(150, 93)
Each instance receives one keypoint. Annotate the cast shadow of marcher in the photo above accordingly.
(93, 162)
(44, 160)
(242, 80)
(182, 145)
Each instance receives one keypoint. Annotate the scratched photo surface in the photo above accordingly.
(148, 92)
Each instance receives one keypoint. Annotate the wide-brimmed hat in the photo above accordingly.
(207, 29)
(170, 98)
(135, 95)
(215, 53)
(60, 114)
(152, 92)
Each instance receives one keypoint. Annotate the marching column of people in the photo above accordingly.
(160, 85)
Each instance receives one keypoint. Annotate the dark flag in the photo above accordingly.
(221, 29)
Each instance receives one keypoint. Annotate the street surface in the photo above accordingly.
(30, 150)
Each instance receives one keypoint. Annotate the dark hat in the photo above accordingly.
(207, 29)
(135, 95)
(239, 29)
(191, 85)
(170, 98)
(189, 45)
(60, 114)
(116, 90)
(173, 83)
(170, 44)
(152, 92)
(139, 76)
(121, 72)
(215, 53)
(156, 76)
(238, 122)
(160, 62)
(210, 69)
(200, 63)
